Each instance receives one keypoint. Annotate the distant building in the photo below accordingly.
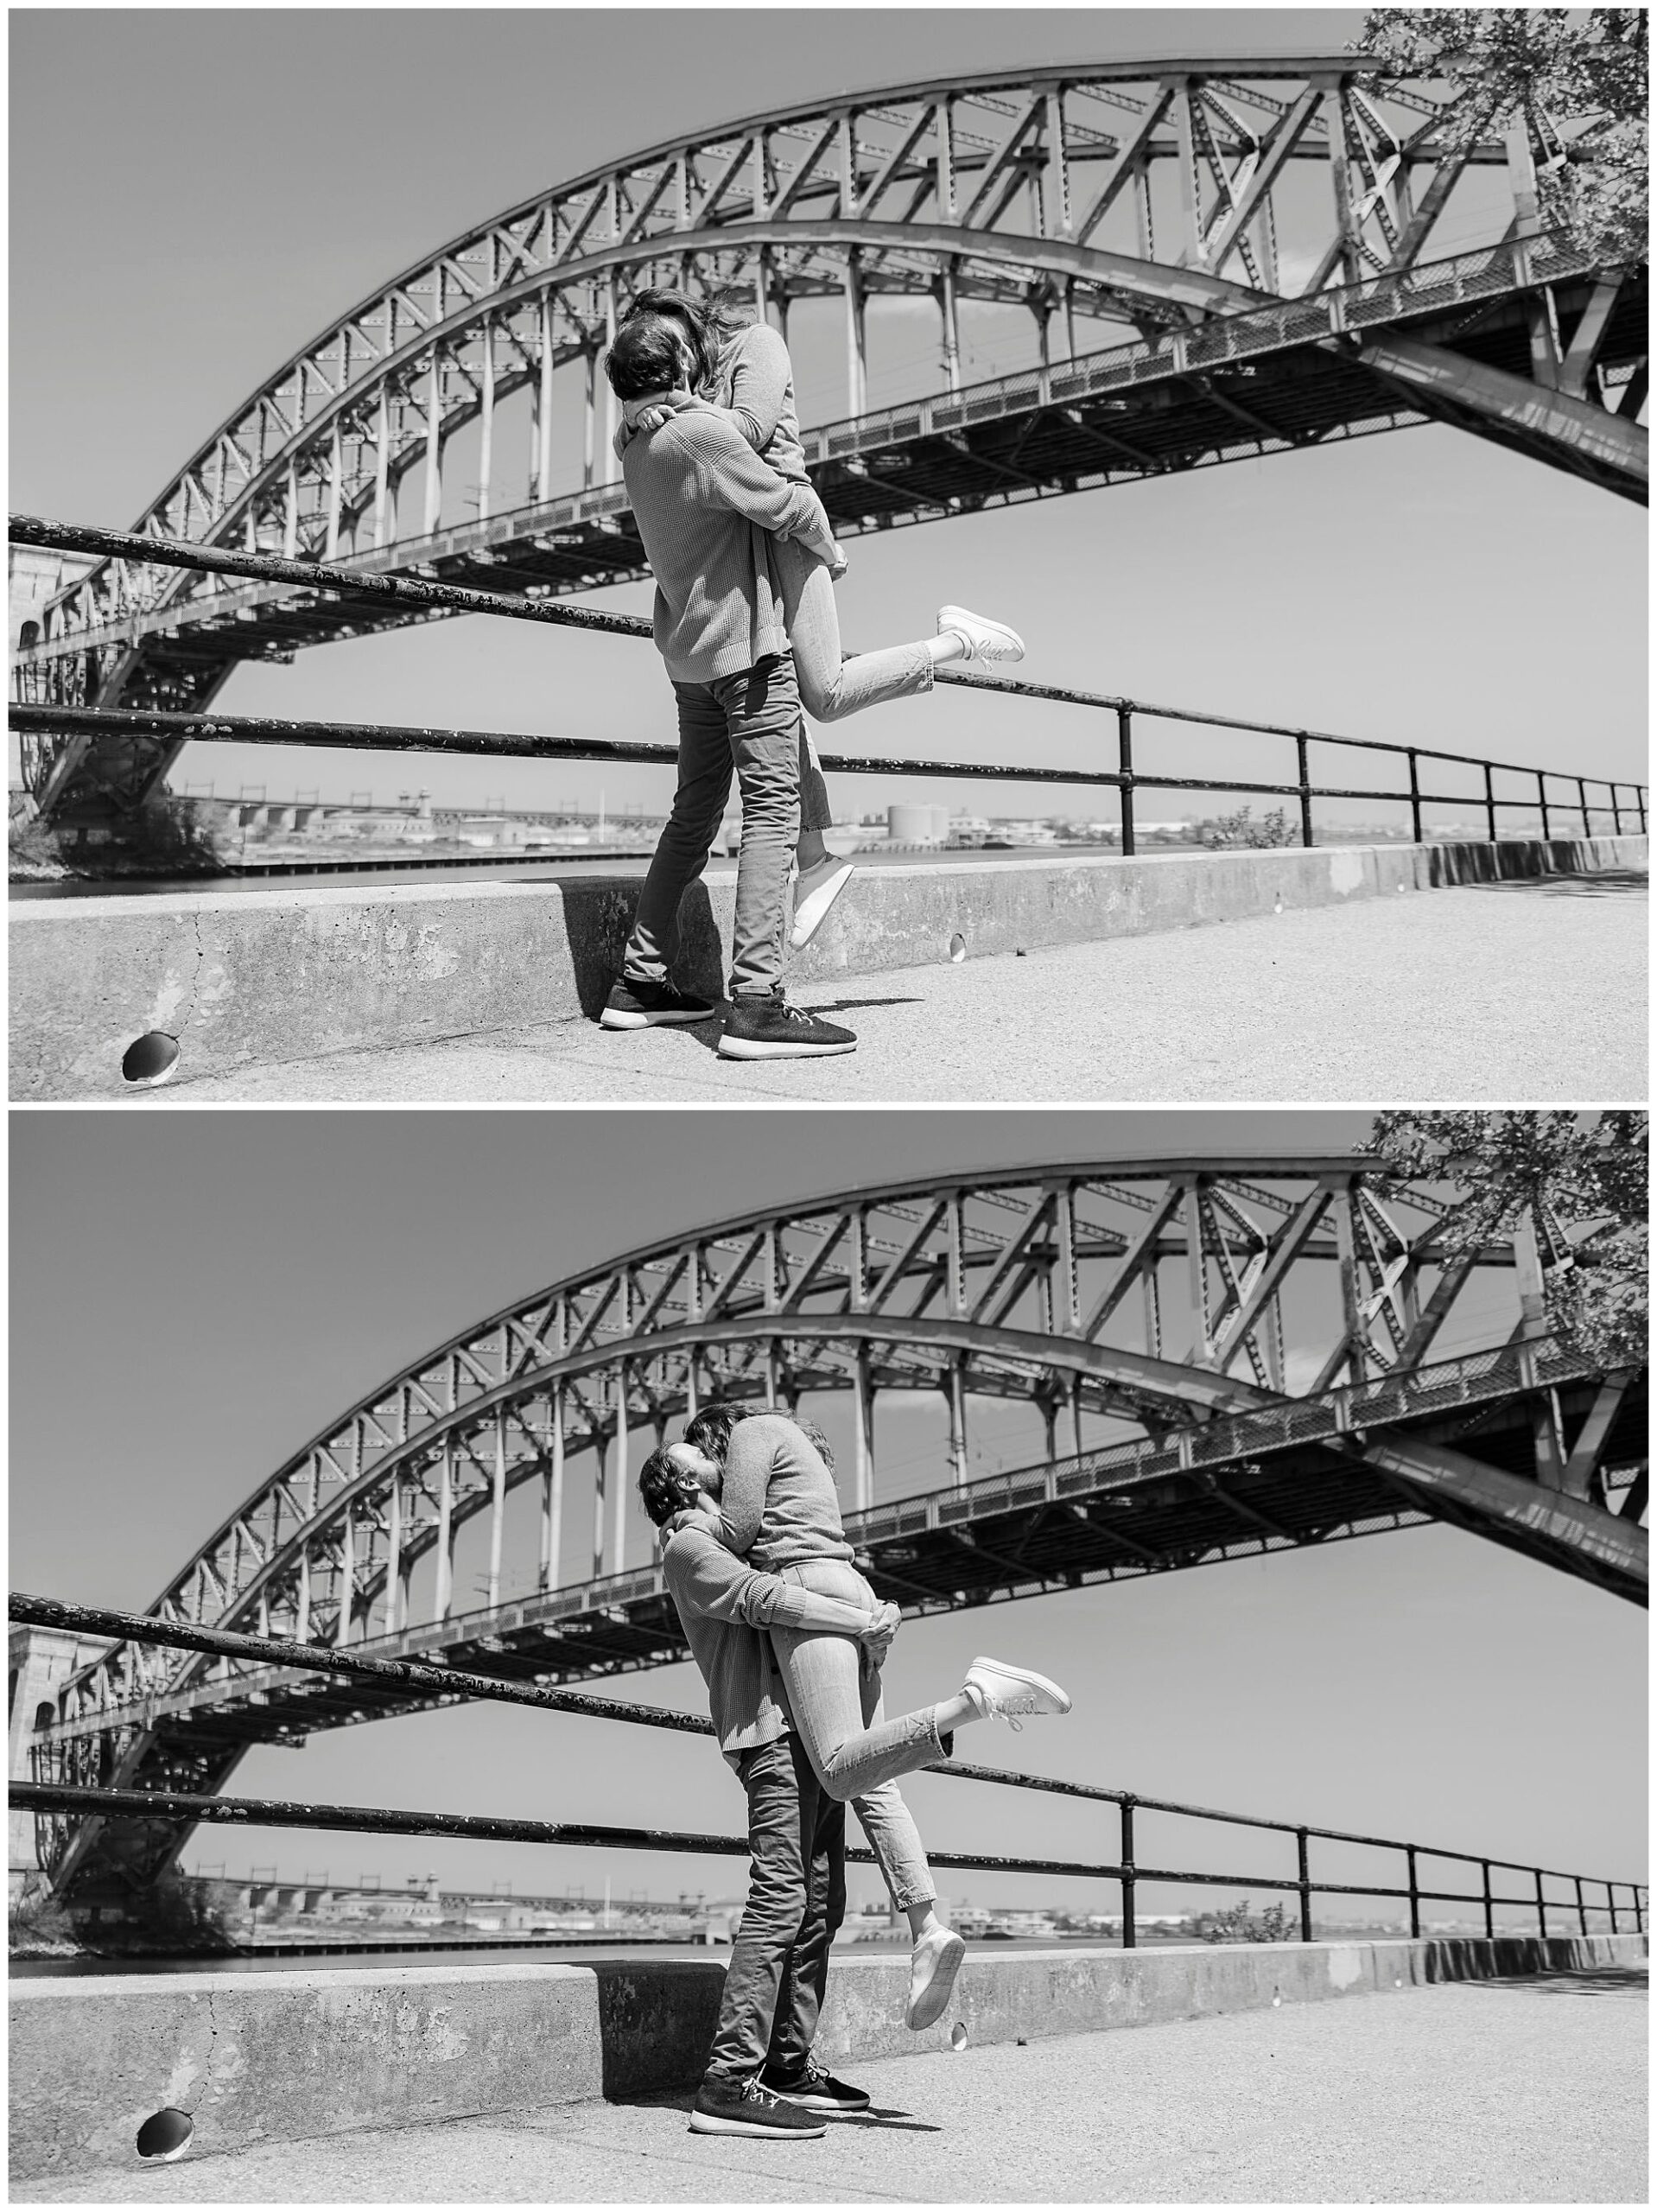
(36, 576)
(39, 1662)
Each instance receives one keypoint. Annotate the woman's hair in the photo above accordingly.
(710, 323)
(660, 1486)
(710, 1430)
(644, 356)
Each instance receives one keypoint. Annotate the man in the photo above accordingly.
(761, 2076)
(704, 502)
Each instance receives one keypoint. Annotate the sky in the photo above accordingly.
(1421, 586)
(193, 1297)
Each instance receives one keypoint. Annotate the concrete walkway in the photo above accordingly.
(1515, 2092)
(1531, 991)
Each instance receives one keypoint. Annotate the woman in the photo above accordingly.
(743, 370)
(779, 1509)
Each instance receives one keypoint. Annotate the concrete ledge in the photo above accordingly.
(261, 2056)
(248, 979)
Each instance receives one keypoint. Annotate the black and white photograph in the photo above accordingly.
(1254, 1529)
(1258, 714)
(610, 1280)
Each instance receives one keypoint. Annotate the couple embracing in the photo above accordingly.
(790, 1638)
(745, 565)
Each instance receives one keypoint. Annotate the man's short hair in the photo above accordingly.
(660, 1485)
(644, 356)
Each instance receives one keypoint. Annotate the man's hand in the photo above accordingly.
(876, 1639)
(838, 565)
(660, 407)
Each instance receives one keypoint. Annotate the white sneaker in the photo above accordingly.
(933, 1965)
(816, 890)
(985, 640)
(1005, 1691)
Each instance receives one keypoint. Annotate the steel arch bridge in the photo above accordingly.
(1239, 1354)
(1257, 228)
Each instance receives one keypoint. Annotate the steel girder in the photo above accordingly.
(1155, 193)
(1240, 1324)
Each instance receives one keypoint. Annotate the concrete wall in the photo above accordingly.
(243, 979)
(260, 2056)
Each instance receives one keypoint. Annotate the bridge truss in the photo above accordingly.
(1143, 202)
(1238, 1356)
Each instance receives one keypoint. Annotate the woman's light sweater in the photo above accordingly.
(778, 1507)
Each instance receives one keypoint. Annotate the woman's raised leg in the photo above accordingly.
(830, 687)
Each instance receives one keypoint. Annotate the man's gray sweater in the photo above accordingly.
(704, 502)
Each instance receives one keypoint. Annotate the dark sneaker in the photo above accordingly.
(814, 2087)
(770, 1029)
(634, 1004)
(726, 2107)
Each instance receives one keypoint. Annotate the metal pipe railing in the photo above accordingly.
(333, 1663)
(433, 596)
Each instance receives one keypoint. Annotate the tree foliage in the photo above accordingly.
(1579, 1179)
(1579, 78)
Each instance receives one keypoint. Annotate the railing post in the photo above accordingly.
(1415, 797)
(1489, 1913)
(1305, 791)
(1639, 1917)
(1415, 1894)
(1541, 800)
(1125, 765)
(1582, 793)
(1617, 813)
(1611, 1902)
(1130, 1937)
(1489, 802)
(1300, 1836)
(1541, 1908)
(1640, 801)
(1582, 1909)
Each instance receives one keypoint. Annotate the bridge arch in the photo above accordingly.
(1157, 198)
(1011, 181)
(1188, 1318)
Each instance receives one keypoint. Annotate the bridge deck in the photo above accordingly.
(1126, 418)
(1517, 2093)
(1063, 1529)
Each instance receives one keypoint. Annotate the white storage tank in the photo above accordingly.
(912, 824)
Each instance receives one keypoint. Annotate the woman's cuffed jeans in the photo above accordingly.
(856, 1752)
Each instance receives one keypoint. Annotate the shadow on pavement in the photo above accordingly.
(1583, 1982)
(892, 2118)
(1614, 883)
(1530, 1962)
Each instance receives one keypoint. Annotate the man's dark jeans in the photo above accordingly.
(748, 724)
(797, 1900)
